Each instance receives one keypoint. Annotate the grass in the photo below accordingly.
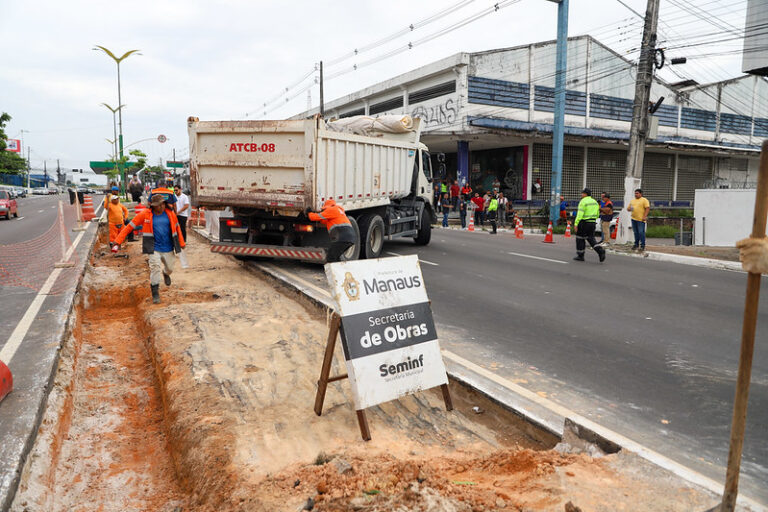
(661, 231)
(684, 213)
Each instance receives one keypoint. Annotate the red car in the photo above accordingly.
(7, 205)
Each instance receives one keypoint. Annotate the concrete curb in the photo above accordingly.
(695, 261)
(538, 411)
(9, 482)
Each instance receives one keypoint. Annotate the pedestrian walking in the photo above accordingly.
(477, 201)
(135, 188)
(588, 212)
(445, 205)
(493, 208)
(640, 208)
(502, 209)
(339, 228)
(455, 190)
(606, 216)
(161, 238)
(117, 214)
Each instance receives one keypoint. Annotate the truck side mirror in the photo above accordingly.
(441, 158)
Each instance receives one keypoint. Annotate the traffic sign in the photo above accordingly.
(161, 138)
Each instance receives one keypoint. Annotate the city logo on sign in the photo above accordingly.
(351, 287)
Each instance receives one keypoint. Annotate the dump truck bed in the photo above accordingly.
(288, 166)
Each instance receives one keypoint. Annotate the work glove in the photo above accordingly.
(115, 248)
(753, 253)
(308, 210)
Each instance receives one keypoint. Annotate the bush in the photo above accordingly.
(661, 231)
(684, 213)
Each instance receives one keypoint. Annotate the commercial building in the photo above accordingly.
(491, 113)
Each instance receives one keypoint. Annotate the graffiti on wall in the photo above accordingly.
(441, 114)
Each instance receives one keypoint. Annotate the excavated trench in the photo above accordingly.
(204, 403)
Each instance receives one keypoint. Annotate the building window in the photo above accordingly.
(573, 171)
(499, 170)
(351, 113)
(658, 176)
(606, 171)
(432, 92)
(386, 106)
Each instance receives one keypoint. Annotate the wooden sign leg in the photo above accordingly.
(447, 397)
(363, 422)
(322, 383)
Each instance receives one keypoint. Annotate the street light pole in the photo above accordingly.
(118, 60)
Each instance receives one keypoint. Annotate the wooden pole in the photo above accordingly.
(325, 371)
(738, 422)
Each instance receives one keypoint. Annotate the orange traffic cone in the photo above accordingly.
(568, 230)
(6, 380)
(471, 222)
(615, 231)
(519, 228)
(548, 238)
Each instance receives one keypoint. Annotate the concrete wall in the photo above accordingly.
(723, 216)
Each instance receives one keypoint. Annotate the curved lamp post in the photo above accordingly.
(118, 60)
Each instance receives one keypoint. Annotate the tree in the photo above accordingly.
(10, 163)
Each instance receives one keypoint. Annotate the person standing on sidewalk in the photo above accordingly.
(455, 190)
(182, 209)
(606, 216)
(478, 202)
(445, 205)
(493, 208)
(161, 238)
(501, 212)
(640, 208)
(586, 218)
(463, 204)
(466, 192)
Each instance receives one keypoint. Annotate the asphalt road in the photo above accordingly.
(36, 215)
(648, 349)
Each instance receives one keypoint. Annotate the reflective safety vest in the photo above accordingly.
(144, 219)
(493, 205)
(331, 216)
(589, 210)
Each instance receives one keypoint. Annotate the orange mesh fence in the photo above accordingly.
(29, 263)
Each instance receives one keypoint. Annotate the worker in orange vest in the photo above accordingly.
(117, 214)
(339, 228)
(161, 238)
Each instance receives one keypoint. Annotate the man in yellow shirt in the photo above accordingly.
(640, 208)
(116, 215)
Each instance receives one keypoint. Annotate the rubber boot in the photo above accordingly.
(600, 253)
(155, 293)
(167, 279)
(579, 256)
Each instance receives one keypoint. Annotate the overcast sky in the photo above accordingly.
(221, 60)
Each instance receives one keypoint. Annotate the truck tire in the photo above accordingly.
(353, 252)
(371, 236)
(425, 229)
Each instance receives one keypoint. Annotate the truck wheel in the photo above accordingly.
(425, 229)
(353, 252)
(371, 235)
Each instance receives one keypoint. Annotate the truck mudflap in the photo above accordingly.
(316, 254)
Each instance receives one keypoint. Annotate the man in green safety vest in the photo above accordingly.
(493, 206)
(589, 211)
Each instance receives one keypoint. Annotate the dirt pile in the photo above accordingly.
(204, 402)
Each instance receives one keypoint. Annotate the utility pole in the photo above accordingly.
(58, 172)
(322, 105)
(45, 172)
(29, 167)
(558, 124)
(638, 132)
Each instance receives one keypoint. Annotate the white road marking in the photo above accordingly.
(18, 334)
(420, 260)
(536, 257)
(19, 218)
(40, 211)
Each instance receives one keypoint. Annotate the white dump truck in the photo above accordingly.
(270, 172)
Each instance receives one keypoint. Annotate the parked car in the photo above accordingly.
(599, 225)
(8, 205)
(20, 191)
